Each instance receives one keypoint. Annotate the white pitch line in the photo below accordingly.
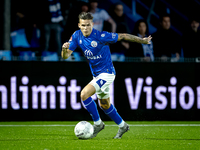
(134, 125)
(164, 125)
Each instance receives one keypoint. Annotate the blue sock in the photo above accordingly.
(113, 114)
(92, 108)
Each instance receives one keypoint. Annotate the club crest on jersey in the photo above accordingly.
(102, 35)
(94, 44)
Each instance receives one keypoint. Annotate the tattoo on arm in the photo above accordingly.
(129, 37)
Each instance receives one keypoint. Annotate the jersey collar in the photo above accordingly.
(90, 33)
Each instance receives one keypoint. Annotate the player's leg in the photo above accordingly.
(57, 34)
(87, 91)
(89, 103)
(47, 36)
(91, 107)
(111, 111)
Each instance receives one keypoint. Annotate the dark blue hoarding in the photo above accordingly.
(141, 91)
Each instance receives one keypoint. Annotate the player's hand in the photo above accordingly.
(65, 46)
(148, 39)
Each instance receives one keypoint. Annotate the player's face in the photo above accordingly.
(85, 26)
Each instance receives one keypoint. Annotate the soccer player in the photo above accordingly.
(94, 45)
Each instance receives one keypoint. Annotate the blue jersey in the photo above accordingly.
(96, 50)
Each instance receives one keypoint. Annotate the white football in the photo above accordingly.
(83, 130)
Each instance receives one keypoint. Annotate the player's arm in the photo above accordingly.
(133, 38)
(65, 51)
(113, 24)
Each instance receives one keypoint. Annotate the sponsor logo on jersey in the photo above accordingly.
(113, 35)
(89, 55)
(94, 57)
(94, 44)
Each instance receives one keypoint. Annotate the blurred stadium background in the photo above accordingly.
(45, 87)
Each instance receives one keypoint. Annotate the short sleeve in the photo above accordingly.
(73, 44)
(107, 37)
(104, 14)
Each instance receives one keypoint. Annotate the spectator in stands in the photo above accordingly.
(119, 49)
(84, 6)
(99, 16)
(140, 50)
(117, 14)
(19, 15)
(72, 24)
(72, 19)
(166, 42)
(191, 39)
(20, 25)
(49, 19)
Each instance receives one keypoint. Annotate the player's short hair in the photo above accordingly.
(85, 16)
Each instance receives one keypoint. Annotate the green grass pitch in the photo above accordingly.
(60, 136)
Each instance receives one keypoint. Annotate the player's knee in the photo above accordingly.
(84, 95)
